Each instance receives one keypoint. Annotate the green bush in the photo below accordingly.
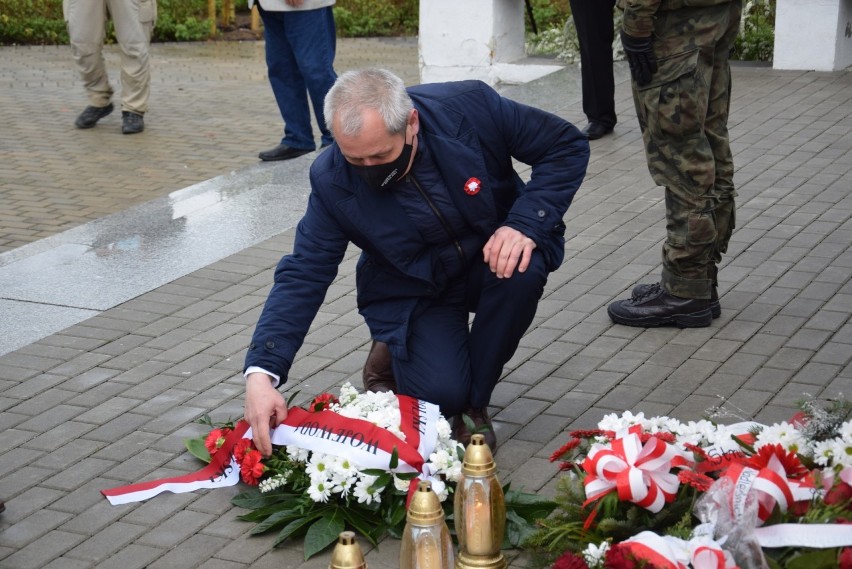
(756, 41)
(373, 18)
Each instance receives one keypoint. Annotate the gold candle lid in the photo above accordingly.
(347, 554)
(425, 507)
(478, 460)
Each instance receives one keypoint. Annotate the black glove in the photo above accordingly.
(640, 56)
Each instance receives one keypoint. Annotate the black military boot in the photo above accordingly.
(91, 115)
(715, 307)
(656, 307)
(378, 373)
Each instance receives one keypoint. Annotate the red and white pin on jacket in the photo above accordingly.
(472, 186)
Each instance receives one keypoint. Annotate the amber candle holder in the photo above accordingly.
(479, 510)
(426, 541)
(347, 554)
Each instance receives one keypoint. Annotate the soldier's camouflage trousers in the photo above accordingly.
(683, 114)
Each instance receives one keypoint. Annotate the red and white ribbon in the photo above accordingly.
(640, 473)
(362, 442)
(666, 552)
(222, 471)
(770, 486)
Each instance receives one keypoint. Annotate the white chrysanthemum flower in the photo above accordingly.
(695, 432)
(613, 422)
(595, 554)
(824, 452)
(365, 492)
(845, 431)
(319, 491)
(658, 424)
(318, 465)
(342, 483)
(785, 434)
(842, 450)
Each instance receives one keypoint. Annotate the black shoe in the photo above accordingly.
(595, 130)
(131, 122)
(659, 308)
(378, 373)
(482, 425)
(715, 307)
(282, 152)
(91, 115)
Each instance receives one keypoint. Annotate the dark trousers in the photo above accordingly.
(456, 363)
(300, 48)
(594, 22)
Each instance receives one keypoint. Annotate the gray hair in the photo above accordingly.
(372, 88)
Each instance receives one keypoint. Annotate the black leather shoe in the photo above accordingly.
(378, 373)
(91, 115)
(595, 130)
(482, 425)
(131, 123)
(282, 152)
(659, 308)
(715, 307)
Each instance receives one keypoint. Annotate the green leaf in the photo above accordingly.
(197, 448)
(323, 533)
(254, 499)
(290, 399)
(394, 460)
(819, 559)
(292, 528)
(275, 521)
(364, 525)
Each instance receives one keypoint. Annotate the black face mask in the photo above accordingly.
(380, 176)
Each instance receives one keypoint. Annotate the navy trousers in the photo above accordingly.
(300, 47)
(455, 363)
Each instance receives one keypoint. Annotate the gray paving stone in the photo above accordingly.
(40, 552)
(108, 541)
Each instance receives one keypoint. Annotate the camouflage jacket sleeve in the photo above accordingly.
(639, 16)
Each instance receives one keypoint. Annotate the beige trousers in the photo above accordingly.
(134, 22)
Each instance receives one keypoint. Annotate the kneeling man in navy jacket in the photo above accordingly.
(422, 181)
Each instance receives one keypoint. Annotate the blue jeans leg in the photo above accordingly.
(300, 48)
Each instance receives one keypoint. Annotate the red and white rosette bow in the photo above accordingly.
(770, 485)
(639, 472)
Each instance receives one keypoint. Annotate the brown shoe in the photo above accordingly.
(482, 425)
(378, 373)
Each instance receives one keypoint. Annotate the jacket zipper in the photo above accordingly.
(442, 219)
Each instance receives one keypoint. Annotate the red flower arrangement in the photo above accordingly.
(634, 485)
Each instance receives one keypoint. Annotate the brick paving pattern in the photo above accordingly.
(109, 401)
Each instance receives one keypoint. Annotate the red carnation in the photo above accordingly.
(619, 557)
(570, 445)
(215, 440)
(665, 437)
(587, 433)
(700, 482)
(251, 468)
(241, 448)
(844, 561)
(570, 561)
(322, 402)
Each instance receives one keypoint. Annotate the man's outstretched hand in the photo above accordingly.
(265, 409)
